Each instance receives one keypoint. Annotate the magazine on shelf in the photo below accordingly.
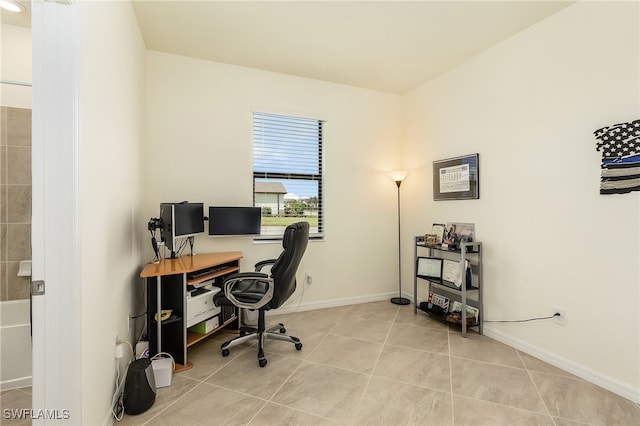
(472, 312)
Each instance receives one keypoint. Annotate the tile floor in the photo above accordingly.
(376, 364)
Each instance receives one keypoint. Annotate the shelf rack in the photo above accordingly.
(471, 251)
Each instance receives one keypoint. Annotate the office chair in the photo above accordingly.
(262, 292)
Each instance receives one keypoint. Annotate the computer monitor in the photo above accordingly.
(180, 220)
(226, 221)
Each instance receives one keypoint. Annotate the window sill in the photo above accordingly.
(278, 240)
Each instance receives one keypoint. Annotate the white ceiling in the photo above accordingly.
(391, 46)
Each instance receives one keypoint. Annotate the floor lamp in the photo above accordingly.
(398, 176)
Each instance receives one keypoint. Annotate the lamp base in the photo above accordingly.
(400, 301)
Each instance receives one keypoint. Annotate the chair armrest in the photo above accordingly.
(245, 275)
(234, 279)
(264, 263)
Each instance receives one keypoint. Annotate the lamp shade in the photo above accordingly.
(398, 175)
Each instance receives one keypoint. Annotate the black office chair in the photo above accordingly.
(262, 292)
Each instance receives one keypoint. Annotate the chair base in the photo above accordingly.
(275, 332)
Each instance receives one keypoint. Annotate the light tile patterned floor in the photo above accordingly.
(376, 364)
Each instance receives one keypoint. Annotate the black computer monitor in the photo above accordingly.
(180, 220)
(225, 221)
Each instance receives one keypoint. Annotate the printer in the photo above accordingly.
(200, 303)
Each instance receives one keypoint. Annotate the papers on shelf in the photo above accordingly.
(452, 272)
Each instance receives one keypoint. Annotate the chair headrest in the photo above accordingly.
(291, 231)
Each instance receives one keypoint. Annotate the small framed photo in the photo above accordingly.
(429, 267)
(430, 240)
(438, 230)
(456, 233)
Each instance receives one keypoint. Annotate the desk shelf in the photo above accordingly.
(193, 338)
(167, 283)
(212, 275)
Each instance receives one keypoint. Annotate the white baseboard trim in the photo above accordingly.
(606, 382)
(331, 303)
(21, 382)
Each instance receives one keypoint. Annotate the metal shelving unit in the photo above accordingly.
(472, 296)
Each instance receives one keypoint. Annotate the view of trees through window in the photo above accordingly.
(287, 172)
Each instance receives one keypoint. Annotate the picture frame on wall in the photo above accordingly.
(456, 178)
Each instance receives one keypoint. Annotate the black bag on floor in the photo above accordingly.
(139, 387)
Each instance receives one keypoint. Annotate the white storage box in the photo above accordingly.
(205, 327)
(162, 371)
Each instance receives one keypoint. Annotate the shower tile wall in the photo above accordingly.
(15, 201)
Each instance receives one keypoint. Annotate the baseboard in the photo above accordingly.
(609, 383)
(331, 303)
(21, 382)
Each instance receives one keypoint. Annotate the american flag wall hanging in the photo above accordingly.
(620, 167)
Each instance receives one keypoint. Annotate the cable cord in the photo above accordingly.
(117, 405)
(526, 320)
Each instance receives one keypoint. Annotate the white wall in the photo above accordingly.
(529, 106)
(111, 116)
(198, 148)
(15, 65)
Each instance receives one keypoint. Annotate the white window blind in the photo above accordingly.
(287, 172)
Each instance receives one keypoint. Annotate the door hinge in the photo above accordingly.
(37, 288)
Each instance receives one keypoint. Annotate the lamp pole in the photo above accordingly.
(398, 177)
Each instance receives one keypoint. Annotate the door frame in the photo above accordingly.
(56, 260)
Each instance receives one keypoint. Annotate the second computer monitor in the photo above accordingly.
(226, 221)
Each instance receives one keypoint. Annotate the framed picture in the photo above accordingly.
(451, 272)
(430, 240)
(429, 267)
(457, 232)
(438, 230)
(456, 178)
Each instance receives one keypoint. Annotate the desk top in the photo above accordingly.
(188, 263)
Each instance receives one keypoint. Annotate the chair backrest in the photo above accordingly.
(283, 271)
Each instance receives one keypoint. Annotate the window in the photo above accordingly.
(287, 172)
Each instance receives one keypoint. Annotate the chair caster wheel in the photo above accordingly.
(283, 330)
(262, 362)
(225, 352)
(298, 346)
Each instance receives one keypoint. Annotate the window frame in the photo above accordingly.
(280, 176)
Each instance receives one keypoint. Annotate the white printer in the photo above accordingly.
(200, 303)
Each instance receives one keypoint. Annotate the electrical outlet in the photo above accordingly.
(308, 278)
(119, 350)
(559, 319)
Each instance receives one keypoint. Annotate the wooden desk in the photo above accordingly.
(171, 277)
